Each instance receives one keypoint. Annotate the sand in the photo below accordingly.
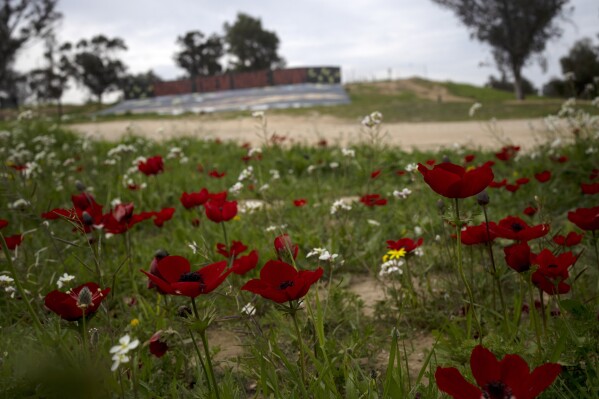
(312, 129)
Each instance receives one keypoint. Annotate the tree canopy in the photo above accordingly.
(94, 64)
(21, 21)
(199, 56)
(515, 29)
(252, 47)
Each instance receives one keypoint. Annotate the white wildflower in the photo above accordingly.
(311, 168)
(258, 114)
(236, 188)
(5, 280)
(115, 202)
(245, 174)
(264, 187)
(475, 107)
(19, 204)
(65, 278)
(253, 151)
(411, 167)
(348, 152)
(403, 194)
(393, 266)
(334, 165)
(249, 309)
(339, 205)
(373, 222)
(194, 247)
(274, 174)
(323, 254)
(590, 150)
(418, 231)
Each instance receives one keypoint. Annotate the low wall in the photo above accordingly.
(247, 80)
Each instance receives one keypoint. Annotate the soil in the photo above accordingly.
(309, 130)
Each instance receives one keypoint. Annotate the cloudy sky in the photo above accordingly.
(367, 38)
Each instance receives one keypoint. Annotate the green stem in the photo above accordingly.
(20, 288)
(543, 311)
(225, 235)
(533, 312)
(197, 349)
(209, 361)
(301, 346)
(495, 275)
(471, 309)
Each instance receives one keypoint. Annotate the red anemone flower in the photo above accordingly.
(158, 347)
(570, 240)
(13, 241)
(218, 209)
(407, 244)
(375, 174)
(3, 223)
(158, 256)
(152, 166)
(285, 248)
(552, 271)
(469, 158)
(71, 305)
(192, 200)
(216, 174)
(512, 188)
(373, 200)
(523, 180)
(244, 264)
(498, 184)
(163, 215)
(300, 202)
(543, 176)
(453, 181)
(507, 153)
(585, 218)
(121, 218)
(175, 277)
(530, 211)
(590, 188)
(280, 282)
(473, 235)
(514, 228)
(518, 256)
(236, 248)
(86, 212)
(509, 377)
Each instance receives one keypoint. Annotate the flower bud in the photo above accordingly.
(184, 311)
(483, 198)
(94, 336)
(161, 253)
(441, 206)
(446, 159)
(80, 186)
(88, 220)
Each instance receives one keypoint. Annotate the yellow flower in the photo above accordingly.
(237, 218)
(134, 322)
(394, 254)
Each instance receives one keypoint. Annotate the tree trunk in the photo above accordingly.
(193, 84)
(518, 84)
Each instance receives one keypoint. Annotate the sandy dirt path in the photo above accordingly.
(311, 129)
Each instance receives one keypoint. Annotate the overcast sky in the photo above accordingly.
(366, 38)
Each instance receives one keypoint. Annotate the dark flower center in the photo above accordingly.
(191, 277)
(497, 390)
(517, 227)
(552, 266)
(286, 284)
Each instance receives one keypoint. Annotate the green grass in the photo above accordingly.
(348, 337)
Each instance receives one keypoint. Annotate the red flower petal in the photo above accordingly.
(172, 267)
(484, 365)
(450, 381)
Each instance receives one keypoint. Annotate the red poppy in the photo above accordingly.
(70, 305)
(473, 235)
(431, 162)
(400, 172)
(514, 228)
(236, 248)
(469, 158)
(157, 346)
(512, 188)
(163, 215)
(13, 241)
(508, 378)
(300, 202)
(158, 256)
(86, 212)
(498, 184)
(244, 264)
(152, 166)
(3, 223)
(453, 181)
(507, 153)
(518, 256)
(585, 218)
(560, 159)
(174, 277)
(121, 218)
(522, 181)
(594, 174)
(218, 209)
(543, 176)
(530, 211)
(407, 244)
(375, 174)
(552, 271)
(373, 200)
(590, 188)
(570, 240)
(216, 174)
(285, 248)
(192, 200)
(280, 282)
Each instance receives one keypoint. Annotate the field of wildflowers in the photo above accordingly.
(208, 269)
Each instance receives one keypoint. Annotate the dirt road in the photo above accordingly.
(311, 129)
